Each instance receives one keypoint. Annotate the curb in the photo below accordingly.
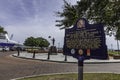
(42, 75)
(94, 62)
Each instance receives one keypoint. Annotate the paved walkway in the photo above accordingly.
(12, 67)
(61, 58)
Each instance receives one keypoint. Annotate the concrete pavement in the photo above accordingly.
(61, 58)
(12, 67)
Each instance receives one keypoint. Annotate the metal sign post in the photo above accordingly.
(80, 68)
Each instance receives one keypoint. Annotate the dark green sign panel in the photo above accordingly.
(87, 40)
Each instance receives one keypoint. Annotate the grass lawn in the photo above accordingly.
(87, 76)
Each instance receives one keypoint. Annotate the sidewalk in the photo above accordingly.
(61, 58)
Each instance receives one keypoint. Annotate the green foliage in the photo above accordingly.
(42, 42)
(69, 15)
(95, 11)
(2, 30)
(30, 41)
(36, 42)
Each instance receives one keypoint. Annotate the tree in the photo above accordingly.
(69, 16)
(2, 30)
(42, 42)
(37, 42)
(106, 12)
(95, 11)
(30, 41)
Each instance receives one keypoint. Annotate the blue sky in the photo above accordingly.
(25, 18)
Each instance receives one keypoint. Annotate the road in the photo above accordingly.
(12, 67)
(103, 68)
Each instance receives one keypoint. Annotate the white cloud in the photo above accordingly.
(35, 19)
(24, 9)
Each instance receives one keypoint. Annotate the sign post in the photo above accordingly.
(80, 69)
(85, 41)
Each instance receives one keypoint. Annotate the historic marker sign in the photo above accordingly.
(87, 40)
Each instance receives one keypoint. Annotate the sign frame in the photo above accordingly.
(81, 34)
